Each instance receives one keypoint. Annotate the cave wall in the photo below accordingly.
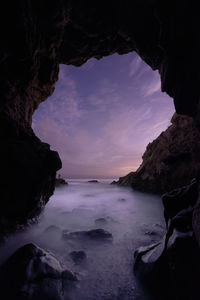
(170, 161)
(37, 36)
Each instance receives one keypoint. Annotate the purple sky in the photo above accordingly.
(102, 116)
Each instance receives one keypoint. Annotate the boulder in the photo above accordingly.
(173, 267)
(78, 256)
(32, 273)
(60, 182)
(174, 263)
(93, 181)
(94, 234)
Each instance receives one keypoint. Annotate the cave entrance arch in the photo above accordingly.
(102, 115)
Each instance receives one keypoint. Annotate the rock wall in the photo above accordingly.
(171, 267)
(36, 36)
(170, 161)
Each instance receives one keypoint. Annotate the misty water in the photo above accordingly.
(134, 219)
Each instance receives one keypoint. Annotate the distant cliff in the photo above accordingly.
(170, 161)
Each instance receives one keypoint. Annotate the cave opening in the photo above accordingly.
(36, 39)
(102, 115)
(100, 119)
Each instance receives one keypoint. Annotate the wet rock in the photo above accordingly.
(33, 273)
(93, 181)
(145, 260)
(99, 234)
(173, 263)
(96, 234)
(68, 275)
(178, 259)
(78, 256)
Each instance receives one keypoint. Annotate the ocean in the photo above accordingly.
(133, 218)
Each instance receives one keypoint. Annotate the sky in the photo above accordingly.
(102, 115)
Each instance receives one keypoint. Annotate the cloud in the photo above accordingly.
(98, 124)
(154, 87)
(135, 66)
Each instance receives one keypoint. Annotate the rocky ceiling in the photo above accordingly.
(37, 36)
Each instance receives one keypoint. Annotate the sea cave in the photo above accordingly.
(156, 205)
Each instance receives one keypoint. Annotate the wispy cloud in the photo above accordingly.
(134, 66)
(154, 87)
(101, 126)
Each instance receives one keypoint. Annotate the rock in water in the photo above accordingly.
(77, 256)
(114, 182)
(93, 181)
(96, 234)
(60, 182)
(99, 234)
(170, 161)
(33, 273)
(174, 263)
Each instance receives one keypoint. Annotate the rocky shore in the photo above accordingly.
(171, 267)
(170, 161)
(35, 274)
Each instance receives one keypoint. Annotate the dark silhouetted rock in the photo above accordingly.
(114, 182)
(170, 161)
(180, 199)
(68, 275)
(146, 258)
(93, 181)
(96, 234)
(60, 182)
(174, 263)
(173, 266)
(32, 273)
(99, 234)
(196, 221)
(78, 256)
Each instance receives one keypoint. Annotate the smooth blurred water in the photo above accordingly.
(133, 218)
